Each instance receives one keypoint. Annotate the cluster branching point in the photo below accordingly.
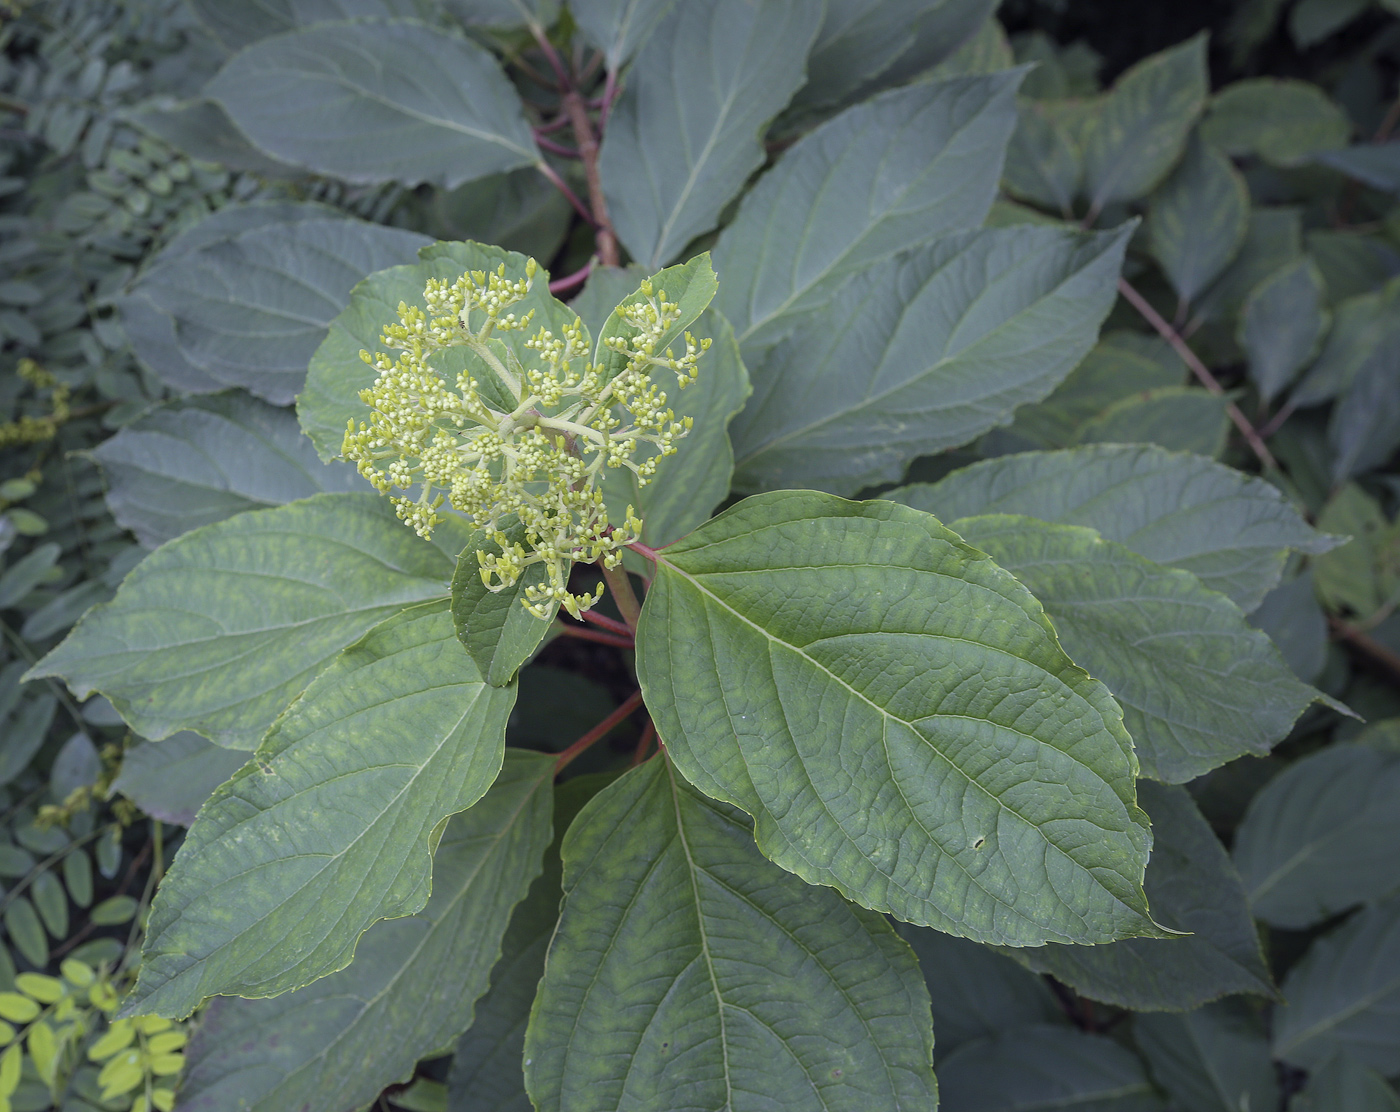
(506, 438)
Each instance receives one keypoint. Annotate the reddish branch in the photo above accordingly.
(1366, 645)
(583, 633)
(644, 744)
(587, 140)
(598, 732)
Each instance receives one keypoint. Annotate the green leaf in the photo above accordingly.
(988, 51)
(618, 27)
(922, 352)
(1364, 429)
(1039, 1068)
(1197, 219)
(1345, 1085)
(1373, 164)
(1294, 621)
(337, 373)
(1344, 995)
(221, 628)
(51, 901)
(28, 572)
(1180, 418)
(25, 732)
(690, 484)
(202, 130)
(330, 826)
(1282, 325)
(1352, 262)
(897, 171)
(26, 932)
(1045, 160)
(770, 664)
(249, 309)
(1194, 889)
(237, 25)
(1273, 240)
(521, 211)
(202, 460)
(1232, 531)
(1140, 128)
(650, 998)
(1365, 327)
(685, 133)
(171, 779)
(976, 992)
(323, 1048)
(1199, 686)
(499, 633)
(1363, 575)
(690, 286)
(1322, 836)
(1311, 21)
(1215, 1059)
(378, 100)
(1282, 121)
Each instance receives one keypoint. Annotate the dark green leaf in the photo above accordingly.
(914, 355)
(26, 573)
(330, 826)
(1352, 262)
(1212, 1060)
(650, 996)
(1283, 121)
(1374, 164)
(378, 100)
(77, 875)
(1283, 322)
(770, 667)
(1311, 21)
(1197, 219)
(235, 25)
(221, 628)
(1362, 575)
(171, 779)
(25, 731)
(201, 129)
(618, 27)
(1365, 427)
(1045, 160)
(1181, 418)
(1294, 621)
(1322, 836)
(77, 765)
(26, 932)
(685, 132)
(1273, 240)
(1345, 1085)
(1365, 327)
(499, 633)
(522, 211)
(323, 1048)
(51, 901)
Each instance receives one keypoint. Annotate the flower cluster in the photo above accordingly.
(509, 439)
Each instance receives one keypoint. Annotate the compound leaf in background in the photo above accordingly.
(1283, 322)
(1344, 995)
(686, 967)
(221, 628)
(171, 779)
(894, 172)
(1215, 1059)
(1198, 685)
(1193, 888)
(618, 27)
(1044, 1066)
(330, 826)
(1197, 219)
(377, 101)
(248, 310)
(1323, 836)
(917, 354)
(1230, 530)
(1140, 128)
(685, 132)
(771, 669)
(1282, 121)
(323, 1047)
(204, 459)
(1180, 418)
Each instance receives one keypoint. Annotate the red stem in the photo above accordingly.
(571, 281)
(560, 184)
(583, 633)
(648, 733)
(556, 148)
(598, 732)
(609, 95)
(642, 550)
(620, 628)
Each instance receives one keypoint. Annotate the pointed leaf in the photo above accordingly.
(895, 172)
(1045, 160)
(1180, 418)
(1215, 1059)
(171, 779)
(1294, 620)
(1323, 836)
(618, 27)
(1365, 427)
(1231, 530)
(685, 132)
(205, 459)
(1344, 996)
(202, 130)
(221, 628)
(323, 1047)
(1283, 121)
(1197, 219)
(1283, 322)
(917, 354)
(1273, 239)
(378, 100)
(499, 633)
(1193, 888)
(774, 669)
(687, 969)
(329, 827)
(1199, 686)
(1373, 164)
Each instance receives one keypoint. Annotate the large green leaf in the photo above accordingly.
(687, 971)
(323, 1048)
(1215, 1059)
(976, 992)
(1043, 1068)
(1344, 996)
(249, 309)
(1197, 219)
(235, 25)
(896, 713)
(1198, 685)
(221, 628)
(1231, 530)
(1345, 1085)
(1322, 836)
(1179, 418)
(171, 779)
(1283, 322)
(1141, 126)
(337, 374)
(1194, 889)
(900, 170)
(330, 826)
(1283, 121)
(618, 27)
(204, 459)
(922, 352)
(685, 132)
(378, 100)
